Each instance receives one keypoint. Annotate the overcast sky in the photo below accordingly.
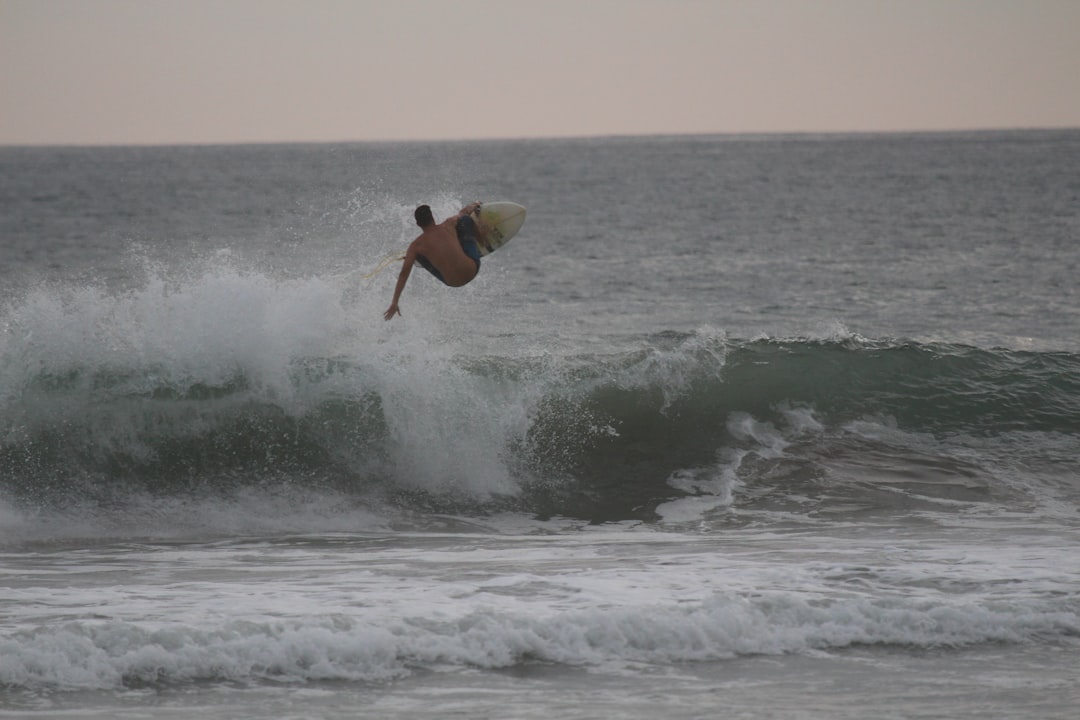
(197, 71)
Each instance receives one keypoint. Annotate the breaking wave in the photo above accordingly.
(234, 384)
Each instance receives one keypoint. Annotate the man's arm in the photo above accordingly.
(468, 209)
(451, 221)
(403, 277)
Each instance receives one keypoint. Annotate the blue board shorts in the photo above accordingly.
(466, 234)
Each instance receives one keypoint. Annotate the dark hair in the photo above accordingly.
(423, 216)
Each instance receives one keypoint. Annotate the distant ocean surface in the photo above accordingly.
(738, 426)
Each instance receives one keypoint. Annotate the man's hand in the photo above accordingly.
(391, 311)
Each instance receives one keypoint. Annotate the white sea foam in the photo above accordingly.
(111, 654)
(375, 607)
(95, 359)
(713, 487)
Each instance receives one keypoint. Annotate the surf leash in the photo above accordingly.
(387, 261)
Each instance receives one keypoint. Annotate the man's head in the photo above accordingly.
(423, 216)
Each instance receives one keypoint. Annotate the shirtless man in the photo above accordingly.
(447, 250)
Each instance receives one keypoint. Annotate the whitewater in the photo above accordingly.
(739, 426)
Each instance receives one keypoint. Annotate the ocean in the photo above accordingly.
(779, 426)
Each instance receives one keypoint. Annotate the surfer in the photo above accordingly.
(447, 250)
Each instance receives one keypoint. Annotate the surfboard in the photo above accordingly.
(499, 221)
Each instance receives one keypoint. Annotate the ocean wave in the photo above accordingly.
(115, 654)
(184, 390)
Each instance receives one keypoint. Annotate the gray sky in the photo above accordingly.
(195, 71)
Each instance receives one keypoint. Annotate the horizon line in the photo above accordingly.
(746, 134)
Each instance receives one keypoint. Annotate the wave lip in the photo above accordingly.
(120, 654)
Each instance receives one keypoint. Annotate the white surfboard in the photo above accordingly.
(499, 221)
